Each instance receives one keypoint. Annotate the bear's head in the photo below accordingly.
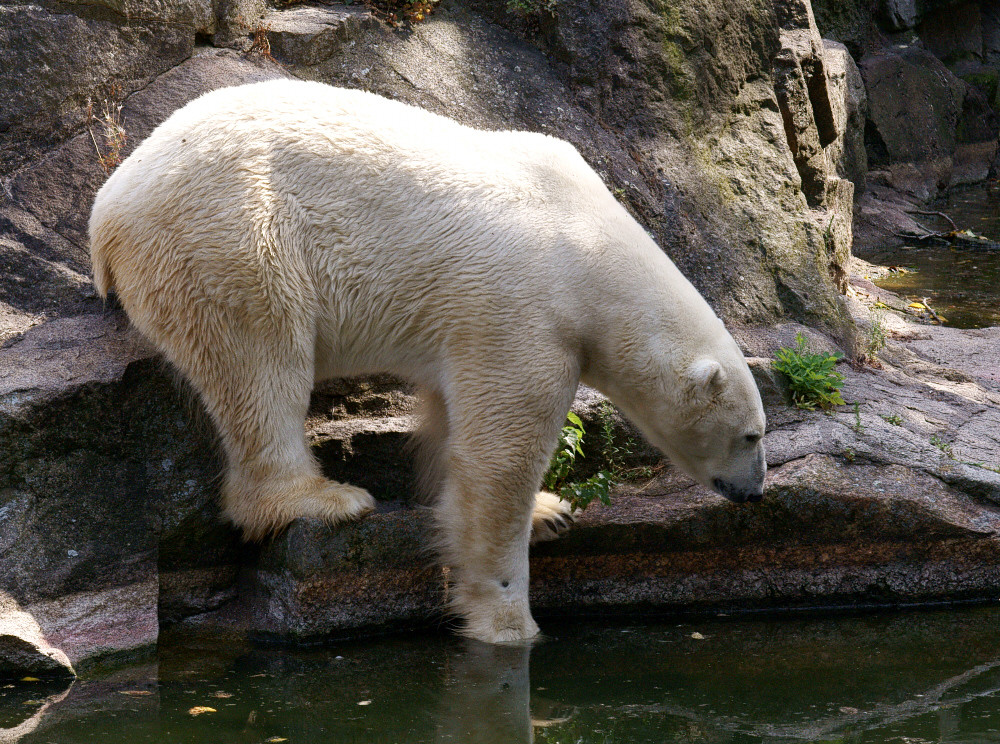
(706, 415)
(720, 443)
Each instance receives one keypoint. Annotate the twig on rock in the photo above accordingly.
(935, 214)
(931, 311)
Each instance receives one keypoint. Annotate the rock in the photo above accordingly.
(971, 163)
(991, 33)
(848, 23)
(55, 62)
(308, 35)
(914, 106)
(953, 32)
(898, 15)
(800, 83)
(846, 155)
(24, 650)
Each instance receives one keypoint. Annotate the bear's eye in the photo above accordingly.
(752, 438)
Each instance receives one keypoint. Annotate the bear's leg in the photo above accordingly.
(497, 452)
(552, 517)
(256, 388)
(272, 478)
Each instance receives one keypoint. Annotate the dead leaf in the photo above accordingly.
(698, 636)
(135, 693)
(199, 709)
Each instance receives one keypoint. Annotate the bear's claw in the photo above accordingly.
(552, 517)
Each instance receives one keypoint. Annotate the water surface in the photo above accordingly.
(960, 283)
(907, 677)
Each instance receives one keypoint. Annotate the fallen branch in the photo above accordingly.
(931, 311)
(935, 214)
(944, 237)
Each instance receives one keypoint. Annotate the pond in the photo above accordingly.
(962, 284)
(904, 676)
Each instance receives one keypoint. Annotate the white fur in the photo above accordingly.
(271, 235)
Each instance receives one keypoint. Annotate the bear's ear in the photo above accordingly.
(706, 376)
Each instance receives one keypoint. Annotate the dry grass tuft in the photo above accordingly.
(259, 45)
(111, 129)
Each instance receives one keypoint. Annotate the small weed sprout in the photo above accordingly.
(876, 337)
(857, 426)
(894, 418)
(811, 376)
(111, 126)
(616, 455)
(578, 493)
(942, 445)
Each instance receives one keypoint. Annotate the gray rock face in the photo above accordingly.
(54, 62)
(108, 471)
(846, 155)
(914, 105)
(24, 650)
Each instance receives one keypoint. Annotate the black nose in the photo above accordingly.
(736, 495)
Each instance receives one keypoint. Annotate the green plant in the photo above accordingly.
(557, 479)
(615, 453)
(857, 426)
(532, 7)
(876, 337)
(894, 418)
(942, 445)
(812, 380)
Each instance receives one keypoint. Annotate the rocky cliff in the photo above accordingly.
(930, 71)
(734, 133)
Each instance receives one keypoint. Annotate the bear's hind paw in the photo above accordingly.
(269, 508)
(551, 518)
(335, 502)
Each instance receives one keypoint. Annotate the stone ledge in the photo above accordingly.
(827, 534)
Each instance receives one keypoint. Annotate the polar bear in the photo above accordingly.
(271, 235)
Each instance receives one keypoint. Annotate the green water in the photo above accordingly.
(901, 677)
(960, 283)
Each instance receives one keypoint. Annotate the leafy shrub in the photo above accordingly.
(811, 376)
(557, 480)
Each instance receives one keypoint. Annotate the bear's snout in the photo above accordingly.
(735, 494)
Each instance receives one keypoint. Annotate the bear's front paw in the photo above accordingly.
(552, 517)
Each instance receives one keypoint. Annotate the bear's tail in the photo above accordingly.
(100, 245)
